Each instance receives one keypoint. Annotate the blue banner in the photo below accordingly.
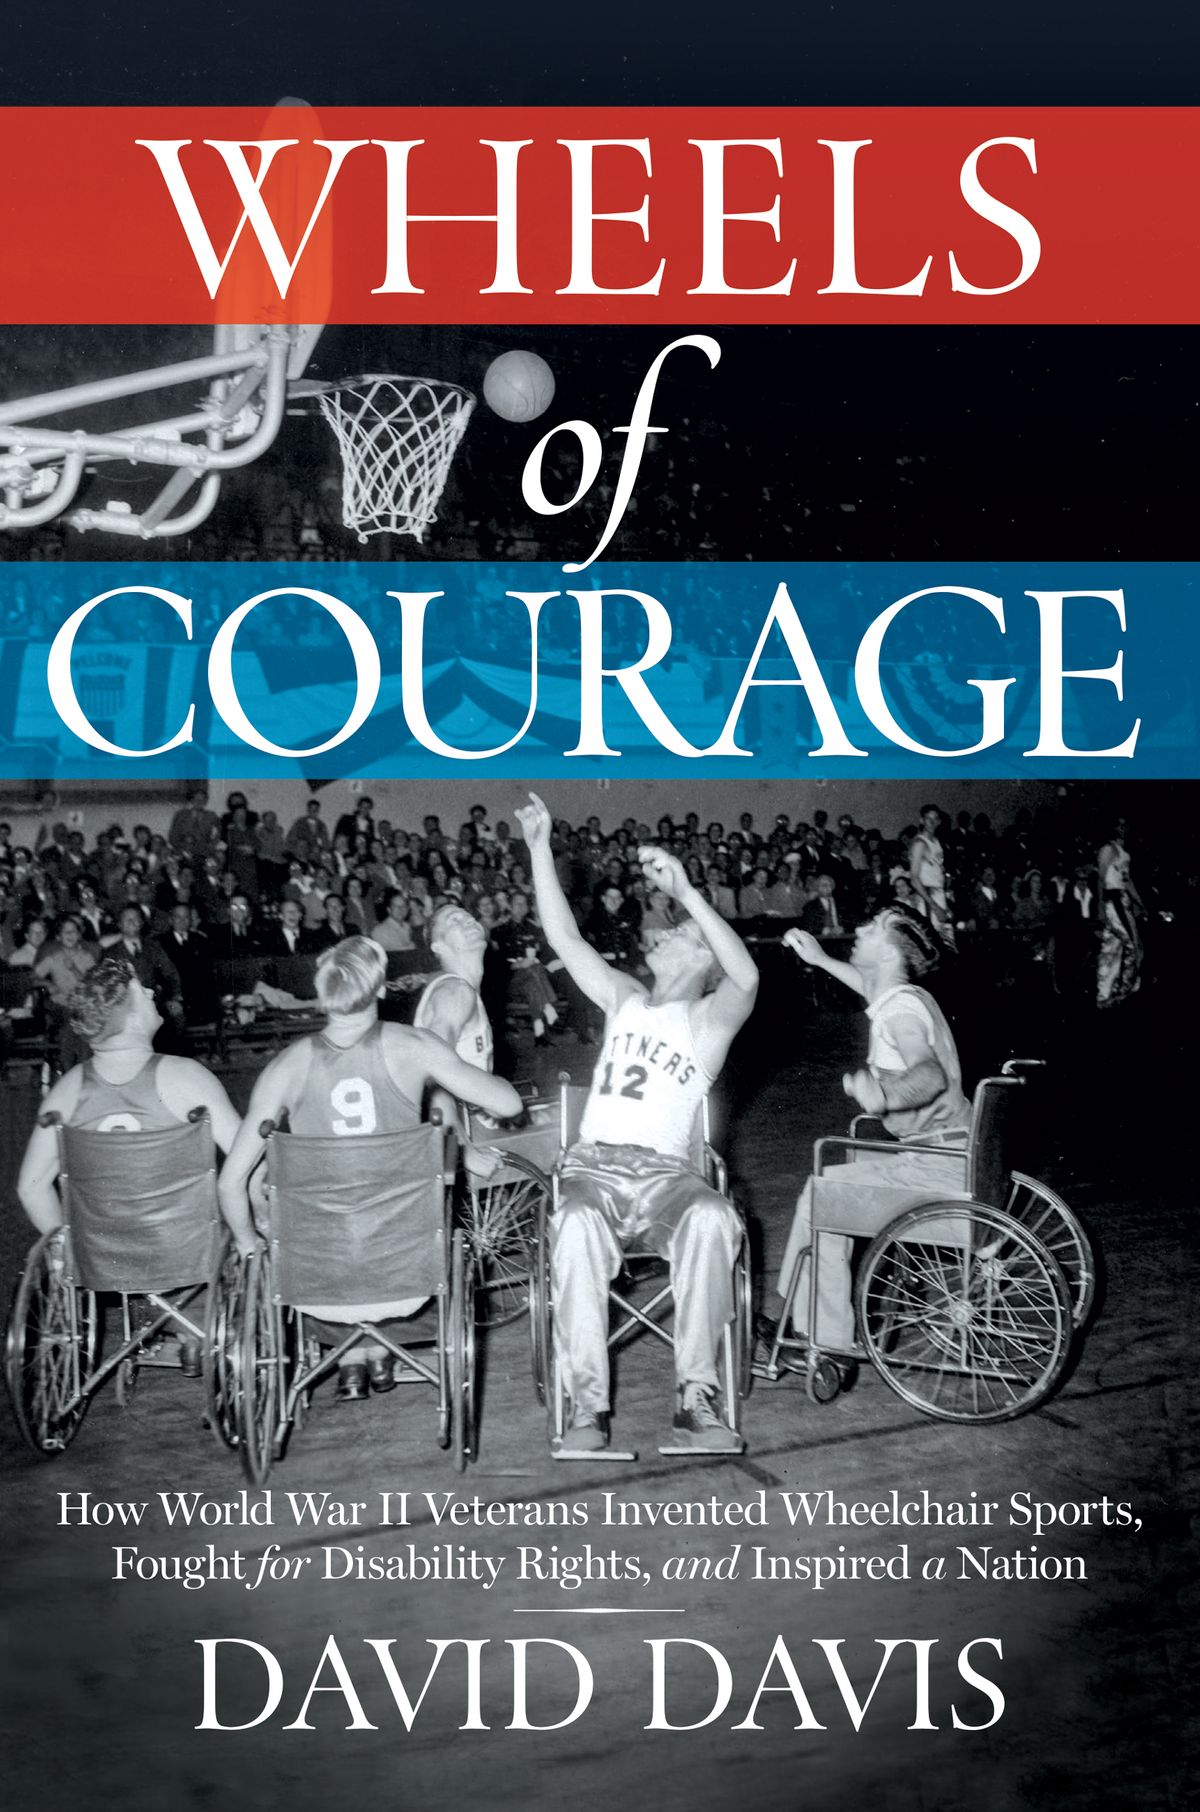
(163, 670)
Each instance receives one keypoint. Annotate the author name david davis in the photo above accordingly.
(688, 1684)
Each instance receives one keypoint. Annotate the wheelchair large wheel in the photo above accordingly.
(1048, 1218)
(461, 1356)
(502, 1232)
(222, 1343)
(260, 1363)
(50, 1351)
(540, 1336)
(964, 1313)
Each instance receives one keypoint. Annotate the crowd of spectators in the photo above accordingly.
(231, 883)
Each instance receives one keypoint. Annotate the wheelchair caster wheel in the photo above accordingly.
(823, 1381)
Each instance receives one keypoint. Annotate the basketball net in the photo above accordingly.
(397, 436)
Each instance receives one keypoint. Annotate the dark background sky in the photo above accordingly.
(1064, 52)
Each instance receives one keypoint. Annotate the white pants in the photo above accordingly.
(927, 1172)
(611, 1196)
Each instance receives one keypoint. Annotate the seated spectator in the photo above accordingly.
(720, 893)
(308, 839)
(393, 932)
(820, 914)
(332, 927)
(287, 937)
(752, 899)
(608, 929)
(240, 938)
(63, 962)
(527, 954)
(34, 935)
(189, 952)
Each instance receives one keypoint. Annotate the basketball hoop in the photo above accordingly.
(397, 436)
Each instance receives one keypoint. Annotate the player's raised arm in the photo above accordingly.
(729, 1005)
(810, 950)
(602, 984)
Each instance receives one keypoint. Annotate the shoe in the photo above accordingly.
(698, 1425)
(381, 1370)
(189, 1358)
(588, 1432)
(352, 1383)
(766, 1328)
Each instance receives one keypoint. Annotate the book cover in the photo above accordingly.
(746, 433)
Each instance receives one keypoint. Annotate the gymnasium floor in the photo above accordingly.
(109, 1676)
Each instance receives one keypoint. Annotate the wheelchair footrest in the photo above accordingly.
(605, 1455)
(670, 1451)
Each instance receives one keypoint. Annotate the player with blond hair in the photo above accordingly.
(355, 1077)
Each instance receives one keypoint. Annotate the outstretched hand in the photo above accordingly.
(663, 870)
(802, 944)
(535, 821)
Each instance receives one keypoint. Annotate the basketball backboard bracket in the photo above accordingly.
(235, 421)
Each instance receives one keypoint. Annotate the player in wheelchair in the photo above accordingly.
(119, 1178)
(976, 1274)
(630, 1177)
(336, 1181)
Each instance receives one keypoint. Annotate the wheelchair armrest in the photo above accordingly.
(267, 1127)
(868, 1126)
(889, 1148)
(716, 1171)
(1018, 1066)
(450, 1160)
(50, 1119)
(196, 1114)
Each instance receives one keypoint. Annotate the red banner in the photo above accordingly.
(820, 215)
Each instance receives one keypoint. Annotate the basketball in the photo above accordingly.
(518, 386)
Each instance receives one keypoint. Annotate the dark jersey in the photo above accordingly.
(132, 1106)
(349, 1092)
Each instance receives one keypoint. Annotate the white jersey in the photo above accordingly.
(649, 1082)
(474, 1042)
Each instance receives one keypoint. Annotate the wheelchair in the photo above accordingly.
(968, 1298)
(501, 1211)
(344, 1217)
(140, 1220)
(635, 1312)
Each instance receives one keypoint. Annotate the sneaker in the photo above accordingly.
(698, 1424)
(352, 1383)
(382, 1372)
(588, 1432)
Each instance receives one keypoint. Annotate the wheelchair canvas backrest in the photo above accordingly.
(996, 1123)
(141, 1206)
(357, 1217)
